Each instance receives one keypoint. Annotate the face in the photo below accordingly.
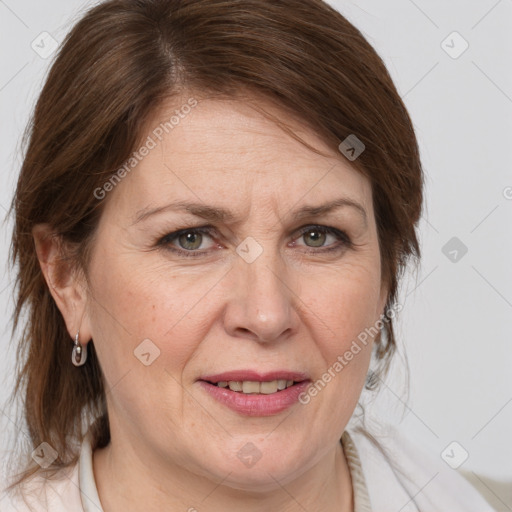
(179, 296)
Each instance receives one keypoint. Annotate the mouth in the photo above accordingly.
(255, 394)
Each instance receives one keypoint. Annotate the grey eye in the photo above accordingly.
(318, 237)
(190, 240)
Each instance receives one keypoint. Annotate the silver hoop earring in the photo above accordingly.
(79, 354)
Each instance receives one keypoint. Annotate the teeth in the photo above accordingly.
(235, 385)
(250, 386)
(254, 387)
(281, 384)
(268, 387)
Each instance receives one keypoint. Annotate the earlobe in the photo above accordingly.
(61, 277)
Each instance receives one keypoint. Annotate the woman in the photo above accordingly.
(187, 347)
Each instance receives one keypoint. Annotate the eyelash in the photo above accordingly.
(166, 240)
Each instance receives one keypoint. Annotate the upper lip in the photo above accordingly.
(253, 375)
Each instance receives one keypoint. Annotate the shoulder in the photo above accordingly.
(38, 494)
(402, 475)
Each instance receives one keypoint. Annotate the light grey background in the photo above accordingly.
(456, 319)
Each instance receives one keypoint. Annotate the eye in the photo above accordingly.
(188, 240)
(318, 235)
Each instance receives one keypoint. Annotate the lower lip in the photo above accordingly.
(256, 405)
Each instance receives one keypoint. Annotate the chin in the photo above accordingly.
(258, 481)
(257, 476)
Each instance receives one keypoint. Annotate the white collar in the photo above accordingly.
(88, 490)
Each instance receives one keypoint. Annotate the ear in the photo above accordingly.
(67, 288)
(384, 290)
(383, 298)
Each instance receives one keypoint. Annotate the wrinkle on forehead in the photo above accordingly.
(225, 152)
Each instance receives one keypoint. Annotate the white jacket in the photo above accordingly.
(391, 475)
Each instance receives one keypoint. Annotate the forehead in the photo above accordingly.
(224, 149)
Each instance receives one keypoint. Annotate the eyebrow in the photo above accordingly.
(219, 214)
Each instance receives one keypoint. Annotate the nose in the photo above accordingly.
(263, 304)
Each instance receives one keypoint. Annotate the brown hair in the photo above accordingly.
(113, 71)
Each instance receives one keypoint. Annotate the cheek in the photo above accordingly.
(346, 304)
(173, 307)
(144, 304)
(341, 318)
(133, 303)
